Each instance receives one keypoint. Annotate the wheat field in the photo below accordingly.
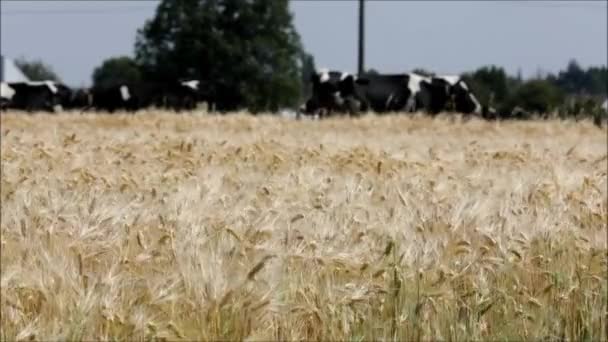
(159, 226)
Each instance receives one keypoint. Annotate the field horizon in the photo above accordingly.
(163, 226)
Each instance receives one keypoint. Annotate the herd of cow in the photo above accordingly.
(333, 92)
(54, 96)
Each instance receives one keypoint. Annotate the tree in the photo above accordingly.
(115, 71)
(36, 70)
(423, 72)
(248, 51)
(573, 80)
(489, 84)
(308, 68)
(577, 81)
(598, 80)
(537, 96)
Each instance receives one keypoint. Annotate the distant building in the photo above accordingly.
(9, 72)
(605, 105)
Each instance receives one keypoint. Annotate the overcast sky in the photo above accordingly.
(446, 37)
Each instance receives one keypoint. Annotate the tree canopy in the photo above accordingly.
(576, 80)
(489, 83)
(573, 90)
(36, 70)
(116, 70)
(248, 51)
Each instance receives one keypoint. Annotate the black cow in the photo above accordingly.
(79, 98)
(179, 95)
(182, 95)
(35, 96)
(70, 98)
(111, 98)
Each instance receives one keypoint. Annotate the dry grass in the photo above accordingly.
(196, 227)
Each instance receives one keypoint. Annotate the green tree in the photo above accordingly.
(423, 72)
(537, 96)
(36, 70)
(308, 68)
(577, 81)
(489, 84)
(248, 51)
(115, 71)
(598, 80)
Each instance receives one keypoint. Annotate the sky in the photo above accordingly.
(446, 37)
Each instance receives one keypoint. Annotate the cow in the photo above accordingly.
(72, 98)
(395, 92)
(182, 95)
(342, 92)
(111, 98)
(450, 93)
(177, 95)
(79, 98)
(408, 92)
(335, 91)
(35, 96)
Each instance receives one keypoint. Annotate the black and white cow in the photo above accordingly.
(411, 92)
(343, 92)
(408, 92)
(177, 95)
(182, 95)
(35, 96)
(395, 92)
(450, 93)
(335, 91)
(111, 98)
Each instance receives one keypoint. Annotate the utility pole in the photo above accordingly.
(361, 36)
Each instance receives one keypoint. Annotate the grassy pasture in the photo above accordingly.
(199, 227)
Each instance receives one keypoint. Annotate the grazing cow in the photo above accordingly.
(395, 92)
(67, 97)
(450, 93)
(335, 91)
(111, 98)
(180, 95)
(35, 95)
(339, 91)
(78, 99)
(6, 95)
